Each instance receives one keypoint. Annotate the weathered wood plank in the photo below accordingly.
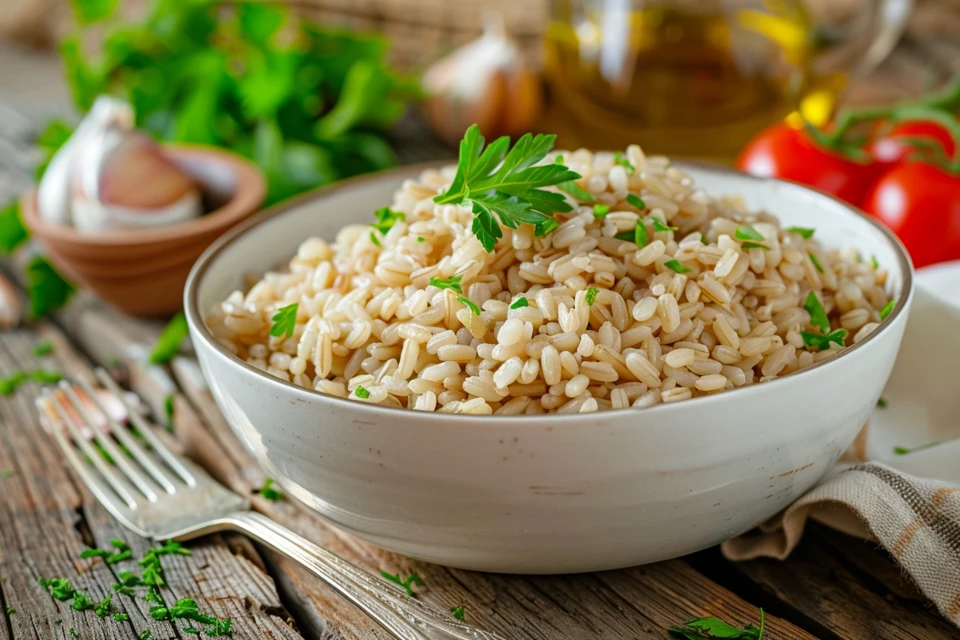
(48, 519)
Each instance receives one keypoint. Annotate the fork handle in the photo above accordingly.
(405, 617)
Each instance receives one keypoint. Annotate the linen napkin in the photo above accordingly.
(899, 483)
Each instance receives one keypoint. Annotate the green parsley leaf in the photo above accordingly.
(191, 630)
(806, 232)
(42, 348)
(152, 596)
(103, 608)
(82, 601)
(404, 582)
(221, 627)
(171, 547)
(47, 289)
(361, 392)
(818, 317)
(7, 473)
(124, 591)
(470, 304)
(119, 556)
(520, 302)
(881, 403)
(746, 232)
(573, 189)
(658, 225)
(421, 239)
(128, 579)
(592, 295)
(73, 632)
(94, 553)
(677, 266)
(452, 283)
(755, 245)
(185, 608)
(386, 218)
(636, 201)
(374, 239)
(13, 233)
(544, 227)
(823, 341)
(285, 321)
(270, 491)
(638, 236)
(874, 263)
(600, 210)
(623, 162)
(168, 344)
(457, 612)
(88, 11)
(816, 262)
(121, 617)
(144, 635)
(153, 575)
(159, 612)
(558, 159)
(117, 543)
(715, 628)
(59, 588)
(887, 308)
(11, 611)
(503, 185)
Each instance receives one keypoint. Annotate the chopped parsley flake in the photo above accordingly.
(361, 392)
(386, 218)
(285, 321)
(374, 239)
(457, 612)
(900, 451)
(592, 295)
(73, 632)
(191, 630)
(404, 582)
(806, 232)
(11, 611)
(816, 262)
(755, 245)
(145, 634)
(168, 344)
(168, 406)
(881, 403)
(874, 263)
(121, 617)
(623, 162)
(12, 382)
(82, 601)
(544, 227)
(636, 201)
(270, 491)
(520, 302)
(818, 317)
(103, 608)
(421, 239)
(746, 232)
(7, 473)
(452, 283)
(887, 308)
(600, 210)
(470, 304)
(659, 225)
(676, 266)
(823, 341)
(576, 191)
(638, 236)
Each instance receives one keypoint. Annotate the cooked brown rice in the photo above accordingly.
(369, 320)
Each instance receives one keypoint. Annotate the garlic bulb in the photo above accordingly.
(110, 176)
(487, 82)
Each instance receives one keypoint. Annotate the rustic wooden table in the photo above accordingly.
(833, 586)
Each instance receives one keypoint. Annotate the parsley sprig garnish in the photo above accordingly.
(818, 318)
(285, 321)
(704, 628)
(497, 182)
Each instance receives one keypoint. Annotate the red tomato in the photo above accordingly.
(888, 150)
(921, 204)
(784, 152)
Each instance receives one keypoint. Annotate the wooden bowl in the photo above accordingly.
(142, 271)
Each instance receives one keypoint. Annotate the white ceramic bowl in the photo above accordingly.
(552, 493)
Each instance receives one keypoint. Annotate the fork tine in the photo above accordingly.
(155, 442)
(122, 432)
(119, 457)
(88, 450)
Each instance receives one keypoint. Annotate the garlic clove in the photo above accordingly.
(487, 82)
(11, 306)
(137, 175)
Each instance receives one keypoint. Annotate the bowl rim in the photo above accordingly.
(199, 329)
(251, 189)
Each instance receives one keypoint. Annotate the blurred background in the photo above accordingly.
(313, 91)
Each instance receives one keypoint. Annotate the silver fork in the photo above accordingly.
(159, 495)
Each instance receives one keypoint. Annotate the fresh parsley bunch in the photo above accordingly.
(499, 182)
(306, 103)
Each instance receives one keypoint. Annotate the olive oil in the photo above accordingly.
(691, 78)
